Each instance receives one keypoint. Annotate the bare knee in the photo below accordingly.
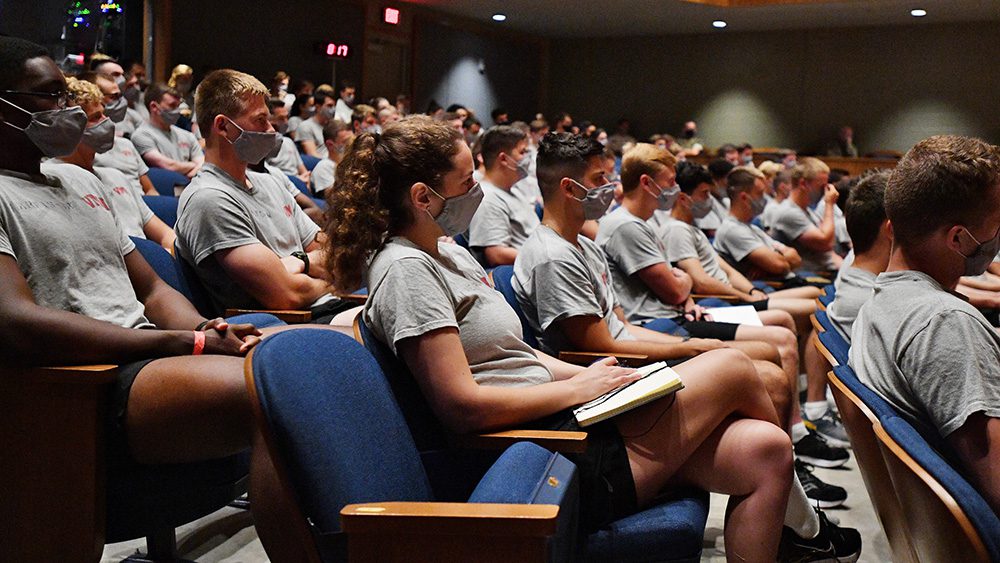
(776, 384)
(772, 454)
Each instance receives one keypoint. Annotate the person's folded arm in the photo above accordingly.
(769, 261)
(160, 233)
(589, 333)
(147, 185)
(259, 271)
(160, 160)
(309, 147)
(660, 280)
(977, 443)
(705, 283)
(500, 255)
(817, 240)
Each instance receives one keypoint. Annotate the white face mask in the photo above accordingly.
(55, 132)
(101, 136)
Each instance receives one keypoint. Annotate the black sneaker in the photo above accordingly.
(822, 495)
(814, 450)
(833, 544)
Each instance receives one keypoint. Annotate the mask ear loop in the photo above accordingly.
(19, 108)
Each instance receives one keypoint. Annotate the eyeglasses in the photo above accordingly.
(62, 97)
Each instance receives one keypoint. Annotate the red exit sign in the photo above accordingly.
(390, 16)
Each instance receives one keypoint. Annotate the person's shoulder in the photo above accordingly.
(402, 257)
(70, 175)
(108, 174)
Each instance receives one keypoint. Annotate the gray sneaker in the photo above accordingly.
(830, 427)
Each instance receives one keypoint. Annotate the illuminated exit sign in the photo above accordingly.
(390, 16)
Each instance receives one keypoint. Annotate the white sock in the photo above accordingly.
(799, 431)
(800, 515)
(815, 409)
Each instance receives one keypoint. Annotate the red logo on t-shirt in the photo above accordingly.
(121, 191)
(288, 210)
(93, 201)
(126, 152)
(486, 281)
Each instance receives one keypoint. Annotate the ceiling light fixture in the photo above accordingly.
(918, 13)
(499, 17)
(719, 24)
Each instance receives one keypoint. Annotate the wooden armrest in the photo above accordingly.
(552, 440)
(359, 298)
(98, 374)
(587, 358)
(815, 322)
(450, 518)
(729, 298)
(289, 316)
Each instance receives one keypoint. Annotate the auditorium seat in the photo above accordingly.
(166, 180)
(164, 207)
(347, 462)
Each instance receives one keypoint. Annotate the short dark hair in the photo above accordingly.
(14, 53)
(470, 121)
(720, 168)
(320, 97)
(740, 180)
(865, 210)
(943, 180)
(691, 175)
(728, 147)
(454, 107)
(333, 128)
(345, 84)
(497, 112)
(562, 155)
(498, 139)
(156, 91)
(300, 100)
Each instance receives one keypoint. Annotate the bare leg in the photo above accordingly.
(272, 506)
(804, 292)
(816, 369)
(777, 388)
(696, 437)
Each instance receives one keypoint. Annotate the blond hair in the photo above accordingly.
(770, 169)
(84, 92)
(227, 92)
(179, 70)
(808, 168)
(647, 159)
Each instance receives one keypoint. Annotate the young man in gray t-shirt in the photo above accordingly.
(160, 142)
(927, 351)
(504, 219)
(797, 225)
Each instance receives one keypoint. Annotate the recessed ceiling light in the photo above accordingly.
(719, 24)
(499, 17)
(918, 13)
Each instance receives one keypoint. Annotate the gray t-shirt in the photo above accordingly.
(309, 130)
(323, 175)
(770, 212)
(790, 222)
(927, 351)
(735, 240)
(128, 206)
(686, 241)
(68, 244)
(411, 293)
(839, 224)
(720, 210)
(503, 219)
(125, 158)
(176, 143)
(554, 280)
(288, 159)
(854, 288)
(631, 245)
(216, 213)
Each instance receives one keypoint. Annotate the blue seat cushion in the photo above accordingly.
(836, 345)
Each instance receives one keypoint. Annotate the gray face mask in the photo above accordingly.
(100, 137)
(458, 211)
(757, 206)
(170, 116)
(120, 81)
(982, 256)
(329, 112)
(700, 209)
(521, 167)
(116, 110)
(253, 146)
(55, 132)
(597, 200)
(666, 198)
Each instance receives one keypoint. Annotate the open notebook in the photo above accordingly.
(657, 380)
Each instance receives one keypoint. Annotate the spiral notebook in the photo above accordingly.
(657, 381)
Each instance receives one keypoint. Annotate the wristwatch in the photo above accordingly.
(305, 260)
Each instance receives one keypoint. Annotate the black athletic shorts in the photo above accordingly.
(706, 329)
(119, 454)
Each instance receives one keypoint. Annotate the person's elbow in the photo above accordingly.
(499, 255)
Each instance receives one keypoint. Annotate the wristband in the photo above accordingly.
(305, 260)
(199, 343)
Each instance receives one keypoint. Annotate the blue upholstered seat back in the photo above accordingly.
(875, 403)
(835, 343)
(502, 278)
(164, 207)
(162, 263)
(164, 180)
(968, 498)
(827, 298)
(334, 419)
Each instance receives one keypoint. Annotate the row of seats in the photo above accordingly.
(928, 510)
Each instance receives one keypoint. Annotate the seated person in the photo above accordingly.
(745, 245)
(924, 349)
(649, 289)
(288, 159)
(430, 304)
(309, 134)
(305, 203)
(336, 138)
(133, 215)
(123, 156)
(160, 142)
(720, 168)
(781, 185)
(363, 118)
(504, 220)
(870, 231)
(797, 225)
(180, 394)
(303, 108)
(241, 231)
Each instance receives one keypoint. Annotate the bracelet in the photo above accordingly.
(305, 260)
(199, 343)
(201, 325)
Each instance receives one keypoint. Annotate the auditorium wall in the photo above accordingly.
(895, 85)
